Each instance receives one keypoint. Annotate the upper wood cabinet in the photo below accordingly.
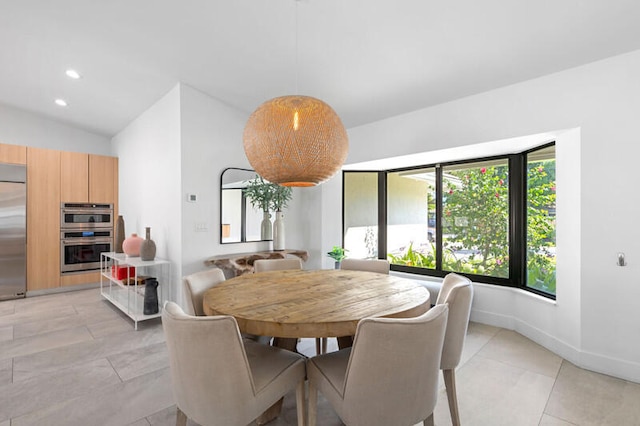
(74, 177)
(14, 154)
(88, 178)
(103, 179)
(43, 219)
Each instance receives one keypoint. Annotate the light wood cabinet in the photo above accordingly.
(88, 178)
(14, 154)
(103, 179)
(78, 279)
(74, 177)
(43, 219)
(55, 177)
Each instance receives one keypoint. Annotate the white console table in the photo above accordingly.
(127, 294)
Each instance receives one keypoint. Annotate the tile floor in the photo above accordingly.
(73, 359)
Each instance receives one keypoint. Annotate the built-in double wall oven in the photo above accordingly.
(86, 230)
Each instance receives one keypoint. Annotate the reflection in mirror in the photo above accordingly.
(239, 221)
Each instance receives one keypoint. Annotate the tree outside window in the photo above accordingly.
(541, 223)
(475, 222)
(471, 235)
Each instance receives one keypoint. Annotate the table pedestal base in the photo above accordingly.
(345, 342)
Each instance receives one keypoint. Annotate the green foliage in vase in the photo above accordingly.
(259, 192)
(267, 196)
(281, 197)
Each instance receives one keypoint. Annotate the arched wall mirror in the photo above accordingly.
(239, 221)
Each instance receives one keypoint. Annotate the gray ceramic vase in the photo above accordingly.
(148, 247)
(119, 235)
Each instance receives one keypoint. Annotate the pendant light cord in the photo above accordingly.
(296, 48)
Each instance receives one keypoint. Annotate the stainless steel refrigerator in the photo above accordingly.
(13, 231)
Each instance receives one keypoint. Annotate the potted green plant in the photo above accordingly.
(337, 253)
(260, 194)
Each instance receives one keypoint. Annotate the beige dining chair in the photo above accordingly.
(197, 284)
(220, 379)
(264, 265)
(457, 292)
(380, 266)
(388, 377)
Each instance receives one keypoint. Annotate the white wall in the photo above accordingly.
(150, 179)
(211, 141)
(18, 127)
(180, 146)
(596, 320)
(211, 135)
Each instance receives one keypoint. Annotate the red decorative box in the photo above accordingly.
(122, 272)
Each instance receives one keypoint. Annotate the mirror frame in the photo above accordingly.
(243, 210)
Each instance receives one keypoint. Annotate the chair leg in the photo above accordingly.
(450, 384)
(321, 345)
(428, 421)
(181, 417)
(300, 403)
(313, 405)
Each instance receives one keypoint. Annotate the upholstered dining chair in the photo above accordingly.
(264, 265)
(220, 379)
(380, 266)
(197, 284)
(457, 292)
(388, 377)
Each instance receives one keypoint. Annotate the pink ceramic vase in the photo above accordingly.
(131, 245)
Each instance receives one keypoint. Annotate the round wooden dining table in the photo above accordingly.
(313, 303)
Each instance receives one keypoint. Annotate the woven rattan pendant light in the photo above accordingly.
(295, 140)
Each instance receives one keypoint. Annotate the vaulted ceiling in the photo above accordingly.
(369, 59)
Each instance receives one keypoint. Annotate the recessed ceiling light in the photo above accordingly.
(72, 74)
(61, 102)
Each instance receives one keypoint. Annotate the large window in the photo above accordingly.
(541, 223)
(491, 219)
(360, 218)
(475, 220)
(411, 218)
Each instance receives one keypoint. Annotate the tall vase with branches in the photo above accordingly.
(281, 196)
(260, 194)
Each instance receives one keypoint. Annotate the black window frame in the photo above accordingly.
(517, 219)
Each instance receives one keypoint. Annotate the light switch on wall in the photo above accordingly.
(201, 227)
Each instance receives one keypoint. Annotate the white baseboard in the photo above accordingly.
(588, 360)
